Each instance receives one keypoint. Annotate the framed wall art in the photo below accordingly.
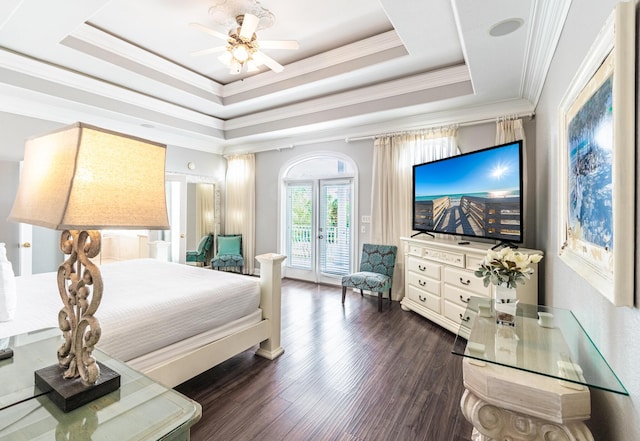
(597, 162)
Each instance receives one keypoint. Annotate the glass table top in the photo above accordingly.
(552, 343)
(141, 409)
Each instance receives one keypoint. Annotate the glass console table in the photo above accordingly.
(140, 410)
(530, 380)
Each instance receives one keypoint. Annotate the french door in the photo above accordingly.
(318, 234)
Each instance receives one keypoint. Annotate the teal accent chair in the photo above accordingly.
(229, 253)
(376, 271)
(199, 256)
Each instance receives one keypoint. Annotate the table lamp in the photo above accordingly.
(81, 179)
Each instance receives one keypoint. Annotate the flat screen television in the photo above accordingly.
(476, 194)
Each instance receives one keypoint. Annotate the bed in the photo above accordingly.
(169, 321)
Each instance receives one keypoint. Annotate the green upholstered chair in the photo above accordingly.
(229, 253)
(199, 256)
(376, 271)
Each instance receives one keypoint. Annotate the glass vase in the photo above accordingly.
(505, 304)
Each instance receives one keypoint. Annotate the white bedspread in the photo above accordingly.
(147, 304)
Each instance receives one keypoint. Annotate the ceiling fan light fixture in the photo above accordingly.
(241, 52)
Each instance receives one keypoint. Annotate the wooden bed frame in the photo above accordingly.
(174, 371)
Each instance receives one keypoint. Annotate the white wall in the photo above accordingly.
(614, 330)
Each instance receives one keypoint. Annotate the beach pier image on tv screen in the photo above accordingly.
(477, 194)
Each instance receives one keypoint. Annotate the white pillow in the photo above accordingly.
(8, 298)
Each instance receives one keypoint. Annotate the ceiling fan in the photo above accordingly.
(242, 51)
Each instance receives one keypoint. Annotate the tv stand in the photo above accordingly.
(439, 279)
(423, 232)
(505, 243)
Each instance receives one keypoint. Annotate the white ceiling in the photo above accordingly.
(363, 67)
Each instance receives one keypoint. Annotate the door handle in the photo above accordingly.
(26, 245)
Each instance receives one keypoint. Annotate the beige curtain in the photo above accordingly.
(240, 210)
(509, 130)
(393, 158)
(205, 211)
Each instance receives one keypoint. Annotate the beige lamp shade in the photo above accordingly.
(86, 178)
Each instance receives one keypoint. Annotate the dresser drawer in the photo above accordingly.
(457, 296)
(474, 262)
(448, 257)
(424, 298)
(421, 266)
(466, 280)
(415, 250)
(455, 313)
(424, 283)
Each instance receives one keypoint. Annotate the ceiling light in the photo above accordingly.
(241, 53)
(244, 17)
(505, 27)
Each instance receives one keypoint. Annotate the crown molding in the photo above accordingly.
(26, 67)
(548, 21)
(466, 115)
(420, 82)
(93, 41)
(141, 61)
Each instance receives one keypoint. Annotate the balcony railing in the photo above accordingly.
(337, 242)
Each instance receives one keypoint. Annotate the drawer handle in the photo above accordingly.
(463, 300)
(421, 283)
(422, 299)
(422, 268)
(464, 319)
(467, 283)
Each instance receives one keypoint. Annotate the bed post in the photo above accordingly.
(270, 302)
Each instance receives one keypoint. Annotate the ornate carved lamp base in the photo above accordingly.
(507, 404)
(69, 394)
(78, 378)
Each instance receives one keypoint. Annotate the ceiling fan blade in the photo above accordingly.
(209, 31)
(284, 44)
(225, 58)
(211, 50)
(249, 26)
(272, 64)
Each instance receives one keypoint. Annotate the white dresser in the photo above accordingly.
(439, 279)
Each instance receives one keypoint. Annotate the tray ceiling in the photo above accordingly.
(363, 66)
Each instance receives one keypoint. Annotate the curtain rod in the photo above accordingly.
(530, 115)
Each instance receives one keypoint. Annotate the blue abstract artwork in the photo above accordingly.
(590, 149)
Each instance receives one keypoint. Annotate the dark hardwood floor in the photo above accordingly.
(347, 374)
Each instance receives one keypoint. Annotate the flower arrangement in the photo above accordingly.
(506, 267)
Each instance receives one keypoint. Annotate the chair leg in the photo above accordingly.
(379, 301)
(344, 293)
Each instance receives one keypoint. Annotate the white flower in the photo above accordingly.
(506, 267)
